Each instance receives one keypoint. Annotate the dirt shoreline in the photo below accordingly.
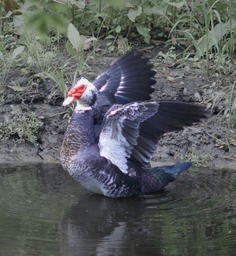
(5, 161)
(211, 144)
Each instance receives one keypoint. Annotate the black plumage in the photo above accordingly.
(115, 128)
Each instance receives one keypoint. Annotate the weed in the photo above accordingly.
(59, 78)
(9, 55)
(20, 126)
(208, 26)
(76, 45)
(196, 159)
(38, 55)
(231, 110)
(1, 95)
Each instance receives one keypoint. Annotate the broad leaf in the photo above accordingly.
(118, 29)
(144, 31)
(17, 88)
(86, 42)
(74, 36)
(213, 37)
(134, 13)
(177, 5)
(17, 52)
(70, 49)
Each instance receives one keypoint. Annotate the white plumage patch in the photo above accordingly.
(121, 130)
(113, 146)
(82, 107)
(84, 81)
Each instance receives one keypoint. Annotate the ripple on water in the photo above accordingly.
(44, 212)
(198, 192)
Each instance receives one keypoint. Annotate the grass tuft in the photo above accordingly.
(22, 127)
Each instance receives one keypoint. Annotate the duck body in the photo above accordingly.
(81, 158)
(115, 127)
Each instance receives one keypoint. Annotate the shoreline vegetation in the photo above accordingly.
(45, 47)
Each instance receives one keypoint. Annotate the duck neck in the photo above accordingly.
(79, 134)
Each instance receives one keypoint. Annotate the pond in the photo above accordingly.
(44, 212)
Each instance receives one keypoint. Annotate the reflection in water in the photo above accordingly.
(44, 212)
(115, 227)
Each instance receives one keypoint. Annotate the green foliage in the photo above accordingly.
(204, 29)
(231, 109)
(208, 25)
(21, 126)
(196, 159)
(9, 57)
(43, 16)
(76, 45)
(38, 55)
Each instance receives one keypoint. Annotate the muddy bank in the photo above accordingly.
(212, 143)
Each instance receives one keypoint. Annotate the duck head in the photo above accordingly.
(84, 92)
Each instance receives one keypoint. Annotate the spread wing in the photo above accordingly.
(131, 132)
(121, 130)
(171, 116)
(128, 79)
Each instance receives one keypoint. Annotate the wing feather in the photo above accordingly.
(171, 116)
(128, 79)
(121, 130)
(131, 132)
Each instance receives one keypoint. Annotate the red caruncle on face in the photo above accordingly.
(77, 92)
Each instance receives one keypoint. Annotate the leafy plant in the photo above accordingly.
(21, 126)
(208, 24)
(38, 55)
(196, 159)
(8, 58)
(76, 45)
(231, 110)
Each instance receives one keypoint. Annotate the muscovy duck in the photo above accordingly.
(115, 127)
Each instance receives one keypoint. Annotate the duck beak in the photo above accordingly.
(68, 101)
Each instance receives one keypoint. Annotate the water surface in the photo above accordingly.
(44, 212)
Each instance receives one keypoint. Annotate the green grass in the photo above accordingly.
(202, 32)
(196, 159)
(203, 29)
(231, 109)
(22, 127)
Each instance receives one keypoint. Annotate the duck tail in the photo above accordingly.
(176, 169)
(156, 178)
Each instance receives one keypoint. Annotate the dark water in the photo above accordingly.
(44, 212)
